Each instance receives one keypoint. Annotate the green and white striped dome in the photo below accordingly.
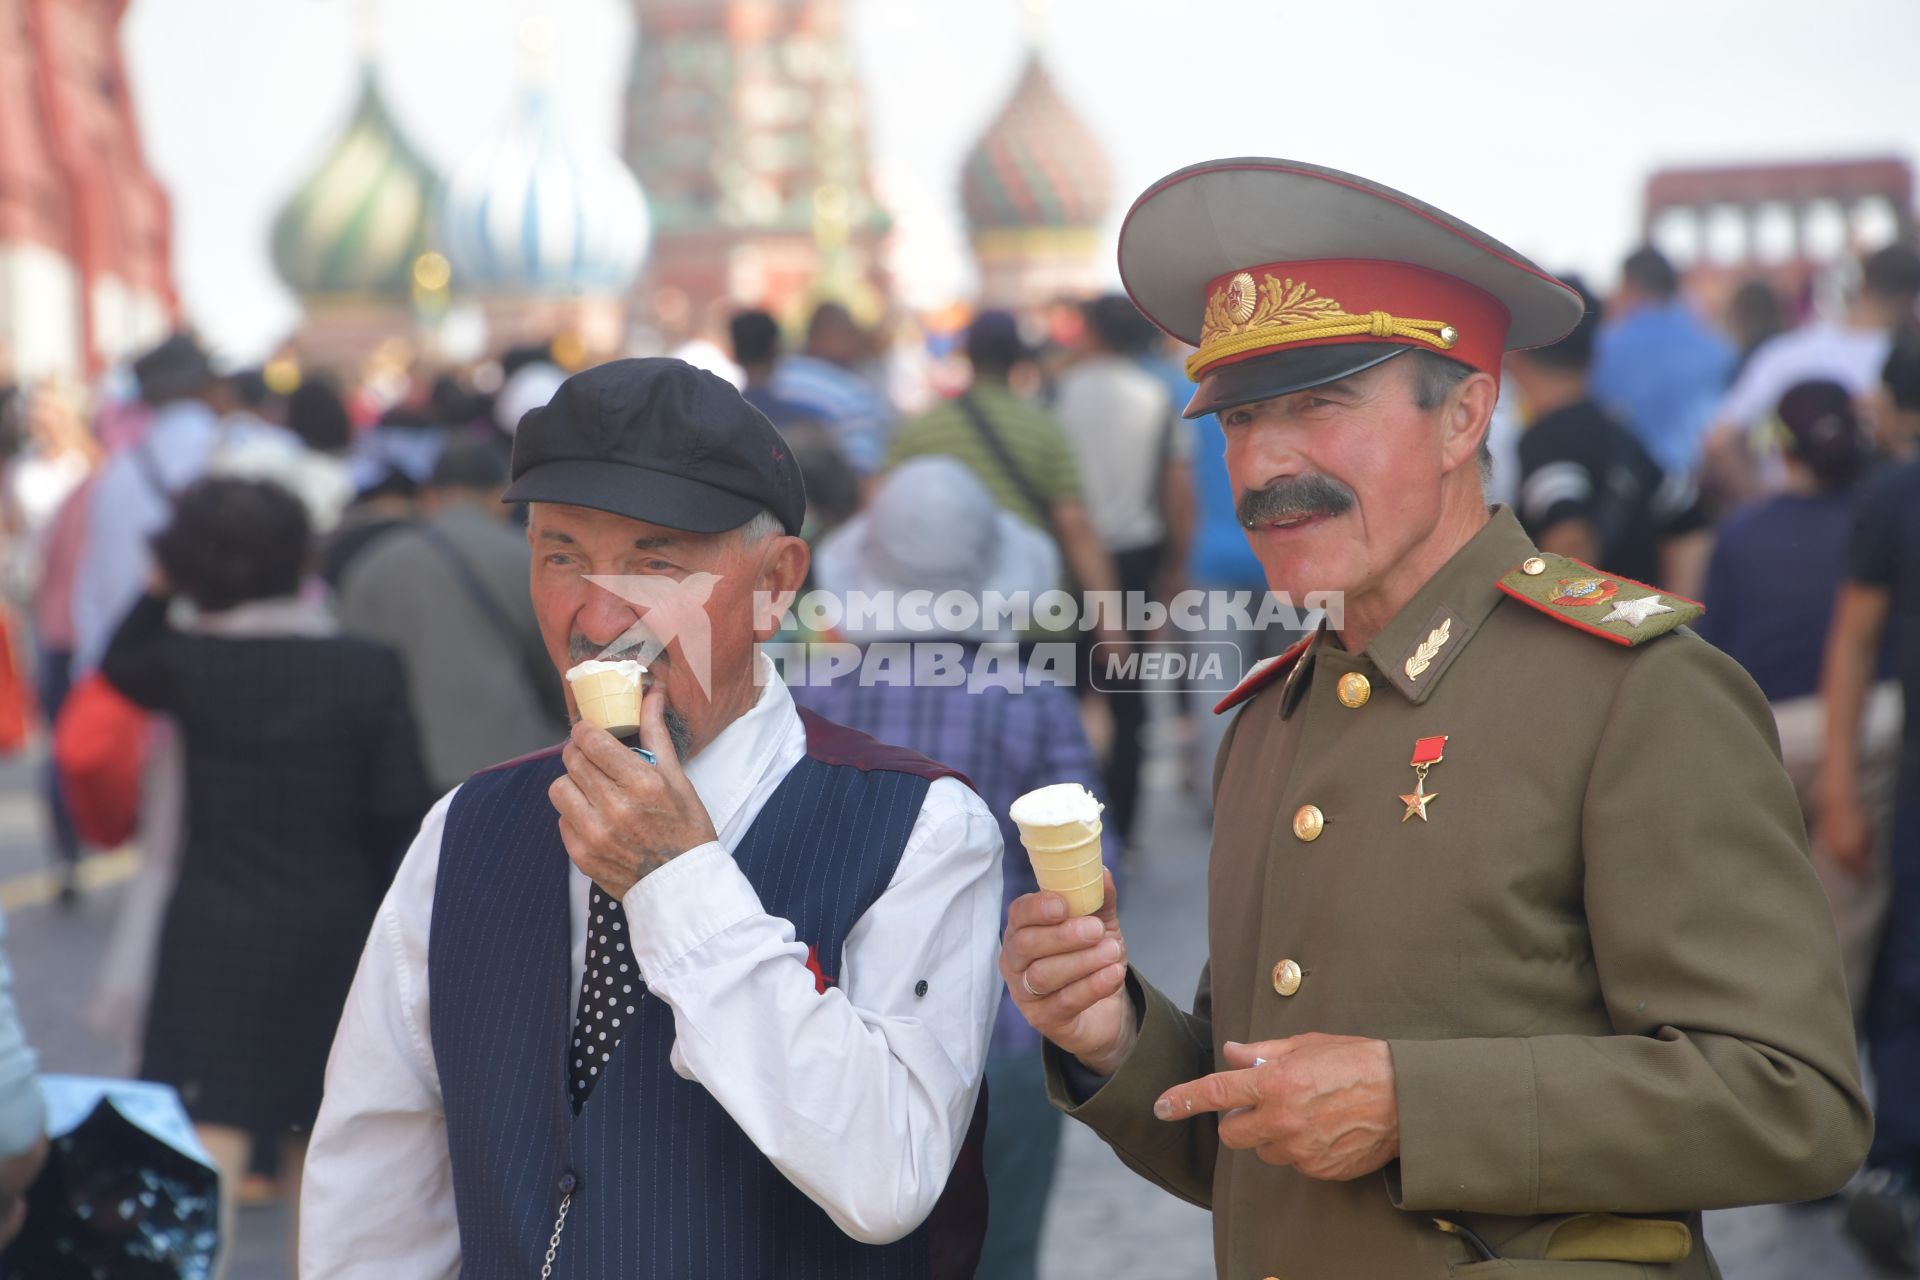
(358, 224)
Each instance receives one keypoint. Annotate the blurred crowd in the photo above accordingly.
(293, 599)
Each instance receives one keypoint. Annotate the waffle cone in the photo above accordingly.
(1067, 860)
(608, 699)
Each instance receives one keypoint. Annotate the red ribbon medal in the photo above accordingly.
(1427, 752)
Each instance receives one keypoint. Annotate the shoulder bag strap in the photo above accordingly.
(535, 668)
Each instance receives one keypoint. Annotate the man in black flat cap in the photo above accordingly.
(723, 1013)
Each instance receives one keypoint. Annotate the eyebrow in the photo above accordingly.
(651, 543)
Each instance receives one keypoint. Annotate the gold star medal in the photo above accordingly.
(1427, 752)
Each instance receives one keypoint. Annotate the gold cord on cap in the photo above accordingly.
(1242, 317)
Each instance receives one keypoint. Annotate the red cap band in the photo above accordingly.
(1280, 306)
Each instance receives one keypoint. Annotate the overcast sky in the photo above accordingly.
(1537, 121)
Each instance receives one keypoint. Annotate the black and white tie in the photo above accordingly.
(610, 993)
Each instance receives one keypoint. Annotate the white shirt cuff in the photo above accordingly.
(685, 904)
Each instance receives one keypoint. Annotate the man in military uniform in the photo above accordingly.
(1516, 958)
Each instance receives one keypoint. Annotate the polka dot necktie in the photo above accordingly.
(610, 993)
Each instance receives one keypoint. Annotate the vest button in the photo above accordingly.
(1353, 690)
(1308, 822)
(568, 1184)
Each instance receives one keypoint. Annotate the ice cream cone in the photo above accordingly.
(608, 694)
(1060, 826)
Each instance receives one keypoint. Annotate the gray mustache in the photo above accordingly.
(581, 649)
(1307, 495)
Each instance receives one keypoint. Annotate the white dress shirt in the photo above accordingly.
(861, 1097)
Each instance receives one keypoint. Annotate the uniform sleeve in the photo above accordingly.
(377, 1199)
(860, 1094)
(1731, 1077)
(1174, 1046)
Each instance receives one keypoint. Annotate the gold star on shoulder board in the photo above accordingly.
(1418, 799)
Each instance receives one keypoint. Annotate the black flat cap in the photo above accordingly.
(657, 440)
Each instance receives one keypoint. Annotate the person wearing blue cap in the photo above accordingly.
(718, 1009)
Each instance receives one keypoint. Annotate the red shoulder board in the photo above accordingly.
(1263, 673)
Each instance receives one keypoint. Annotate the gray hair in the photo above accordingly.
(760, 528)
(1434, 378)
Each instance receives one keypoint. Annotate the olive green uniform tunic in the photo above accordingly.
(1602, 963)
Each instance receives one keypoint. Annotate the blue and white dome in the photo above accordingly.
(536, 212)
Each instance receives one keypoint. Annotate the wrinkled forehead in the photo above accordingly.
(587, 526)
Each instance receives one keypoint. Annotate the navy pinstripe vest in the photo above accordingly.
(668, 1187)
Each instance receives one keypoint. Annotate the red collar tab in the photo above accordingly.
(1263, 673)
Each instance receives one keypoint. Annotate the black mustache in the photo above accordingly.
(1290, 496)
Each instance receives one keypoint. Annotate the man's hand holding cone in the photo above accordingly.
(1068, 976)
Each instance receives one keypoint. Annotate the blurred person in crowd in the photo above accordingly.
(45, 500)
(1016, 447)
(1656, 365)
(387, 493)
(130, 500)
(318, 415)
(1777, 566)
(12, 430)
(1219, 560)
(907, 364)
(806, 396)
(23, 1114)
(408, 438)
(933, 526)
(133, 496)
(391, 502)
(303, 784)
(58, 453)
(1587, 486)
(1131, 450)
(1852, 353)
(525, 386)
(695, 337)
(1880, 605)
(1754, 314)
(449, 594)
(756, 340)
(301, 447)
(827, 378)
(755, 336)
(786, 1073)
(1896, 401)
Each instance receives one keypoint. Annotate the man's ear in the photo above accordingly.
(783, 568)
(1465, 418)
